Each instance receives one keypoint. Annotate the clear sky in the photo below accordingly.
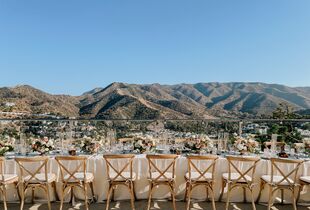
(72, 46)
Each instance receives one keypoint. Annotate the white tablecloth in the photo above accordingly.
(97, 166)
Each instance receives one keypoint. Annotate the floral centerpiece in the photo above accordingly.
(307, 143)
(88, 145)
(43, 145)
(141, 146)
(6, 145)
(202, 143)
(244, 145)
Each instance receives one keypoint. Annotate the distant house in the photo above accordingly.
(304, 133)
(262, 130)
(256, 128)
(8, 104)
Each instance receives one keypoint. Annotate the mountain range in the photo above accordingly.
(156, 101)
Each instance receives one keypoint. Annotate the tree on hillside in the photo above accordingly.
(286, 130)
(284, 111)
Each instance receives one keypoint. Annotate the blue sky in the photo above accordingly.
(73, 46)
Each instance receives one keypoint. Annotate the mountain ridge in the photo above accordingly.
(153, 101)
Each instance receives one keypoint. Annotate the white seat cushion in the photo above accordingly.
(8, 178)
(125, 176)
(79, 176)
(276, 179)
(195, 176)
(236, 176)
(162, 178)
(41, 178)
(305, 179)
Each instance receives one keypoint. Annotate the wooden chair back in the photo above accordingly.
(71, 165)
(289, 172)
(117, 165)
(165, 165)
(244, 167)
(31, 166)
(197, 162)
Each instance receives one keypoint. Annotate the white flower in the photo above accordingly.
(50, 144)
(210, 145)
(240, 147)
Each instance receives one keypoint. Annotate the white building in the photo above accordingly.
(9, 104)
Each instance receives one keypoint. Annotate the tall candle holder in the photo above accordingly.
(274, 138)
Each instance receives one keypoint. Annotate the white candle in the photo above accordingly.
(273, 141)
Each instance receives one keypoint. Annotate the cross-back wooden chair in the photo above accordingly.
(34, 174)
(239, 176)
(200, 172)
(162, 176)
(73, 174)
(281, 179)
(303, 181)
(120, 172)
(5, 180)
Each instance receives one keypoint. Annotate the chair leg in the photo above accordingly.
(4, 197)
(262, 185)
(55, 191)
(189, 192)
(270, 197)
(85, 195)
(173, 196)
(132, 196)
(282, 196)
(186, 189)
(32, 195)
(17, 190)
(228, 196)
(72, 195)
(223, 187)
(113, 194)
(48, 197)
(252, 199)
(244, 195)
(294, 199)
(91, 184)
(299, 191)
(63, 188)
(213, 198)
(207, 192)
(22, 197)
(150, 197)
(108, 197)
(134, 193)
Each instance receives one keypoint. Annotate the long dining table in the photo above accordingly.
(97, 166)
